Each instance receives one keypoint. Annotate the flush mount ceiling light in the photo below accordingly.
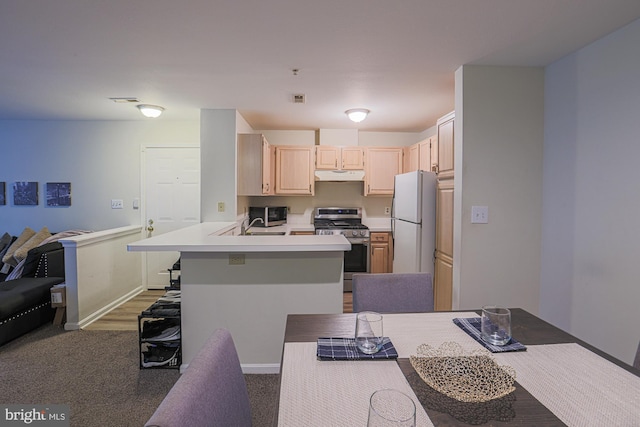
(150, 110)
(357, 114)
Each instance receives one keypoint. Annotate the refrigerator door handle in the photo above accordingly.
(393, 234)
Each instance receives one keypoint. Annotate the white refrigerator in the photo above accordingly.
(413, 222)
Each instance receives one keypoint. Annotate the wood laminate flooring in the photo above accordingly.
(125, 317)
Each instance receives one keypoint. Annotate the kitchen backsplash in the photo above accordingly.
(342, 194)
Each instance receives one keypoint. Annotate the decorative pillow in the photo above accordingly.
(6, 268)
(35, 240)
(33, 257)
(26, 234)
(5, 241)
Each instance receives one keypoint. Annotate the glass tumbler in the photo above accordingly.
(391, 408)
(495, 326)
(369, 332)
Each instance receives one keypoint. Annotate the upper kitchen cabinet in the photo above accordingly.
(411, 158)
(294, 170)
(339, 158)
(445, 146)
(428, 154)
(381, 166)
(256, 166)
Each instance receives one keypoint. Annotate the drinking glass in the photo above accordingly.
(495, 326)
(369, 332)
(391, 408)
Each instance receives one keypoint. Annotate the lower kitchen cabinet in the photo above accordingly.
(381, 253)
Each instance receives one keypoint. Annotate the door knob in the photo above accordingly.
(150, 227)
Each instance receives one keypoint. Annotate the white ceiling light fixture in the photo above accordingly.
(152, 111)
(357, 114)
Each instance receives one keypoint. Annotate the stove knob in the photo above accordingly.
(362, 233)
(354, 233)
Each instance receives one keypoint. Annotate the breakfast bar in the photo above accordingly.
(249, 284)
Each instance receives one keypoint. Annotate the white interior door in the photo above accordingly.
(171, 201)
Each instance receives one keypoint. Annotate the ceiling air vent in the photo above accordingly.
(125, 100)
(298, 98)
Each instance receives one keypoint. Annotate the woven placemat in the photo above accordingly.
(578, 386)
(317, 393)
(409, 330)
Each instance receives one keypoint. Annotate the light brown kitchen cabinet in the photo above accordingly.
(428, 154)
(443, 275)
(445, 146)
(382, 164)
(256, 166)
(294, 170)
(381, 253)
(339, 158)
(411, 158)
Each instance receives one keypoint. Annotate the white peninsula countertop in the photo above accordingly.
(249, 284)
(211, 237)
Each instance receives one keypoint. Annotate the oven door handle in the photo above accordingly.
(367, 247)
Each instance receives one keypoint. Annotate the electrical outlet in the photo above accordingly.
(236, 259)
(220, 206)
(387, 210)
(117, 204)
(479, 214)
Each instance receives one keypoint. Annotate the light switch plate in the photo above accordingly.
(479, 214)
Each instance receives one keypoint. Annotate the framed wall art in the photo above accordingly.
(58, 194)
(25, 193)
(3, 193)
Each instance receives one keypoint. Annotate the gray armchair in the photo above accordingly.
(393, 292)
(211, 392)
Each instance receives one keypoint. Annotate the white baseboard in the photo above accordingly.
(249, 368)
(104, 310)
(267, 368)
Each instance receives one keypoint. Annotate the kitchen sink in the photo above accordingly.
(266, 233)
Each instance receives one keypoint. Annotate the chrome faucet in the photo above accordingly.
(243, 230)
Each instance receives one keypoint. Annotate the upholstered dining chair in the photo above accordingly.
(211, 392)
(393, 292)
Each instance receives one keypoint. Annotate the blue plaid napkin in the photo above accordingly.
(346, 349)
(471, 326)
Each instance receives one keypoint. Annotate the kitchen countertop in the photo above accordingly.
(208, 237)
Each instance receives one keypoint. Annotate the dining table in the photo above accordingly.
(559, 379)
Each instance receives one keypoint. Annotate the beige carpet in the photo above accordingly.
(96, 373)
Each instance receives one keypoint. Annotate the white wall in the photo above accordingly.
(101, 160)
(218, 130)
(498, 150)
(590, 284)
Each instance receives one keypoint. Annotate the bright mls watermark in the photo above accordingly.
(34, 415)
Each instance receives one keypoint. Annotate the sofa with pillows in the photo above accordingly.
(32, 263)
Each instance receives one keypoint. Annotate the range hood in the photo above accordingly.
(339, 175)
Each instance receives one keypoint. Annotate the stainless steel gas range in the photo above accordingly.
(348, 222)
